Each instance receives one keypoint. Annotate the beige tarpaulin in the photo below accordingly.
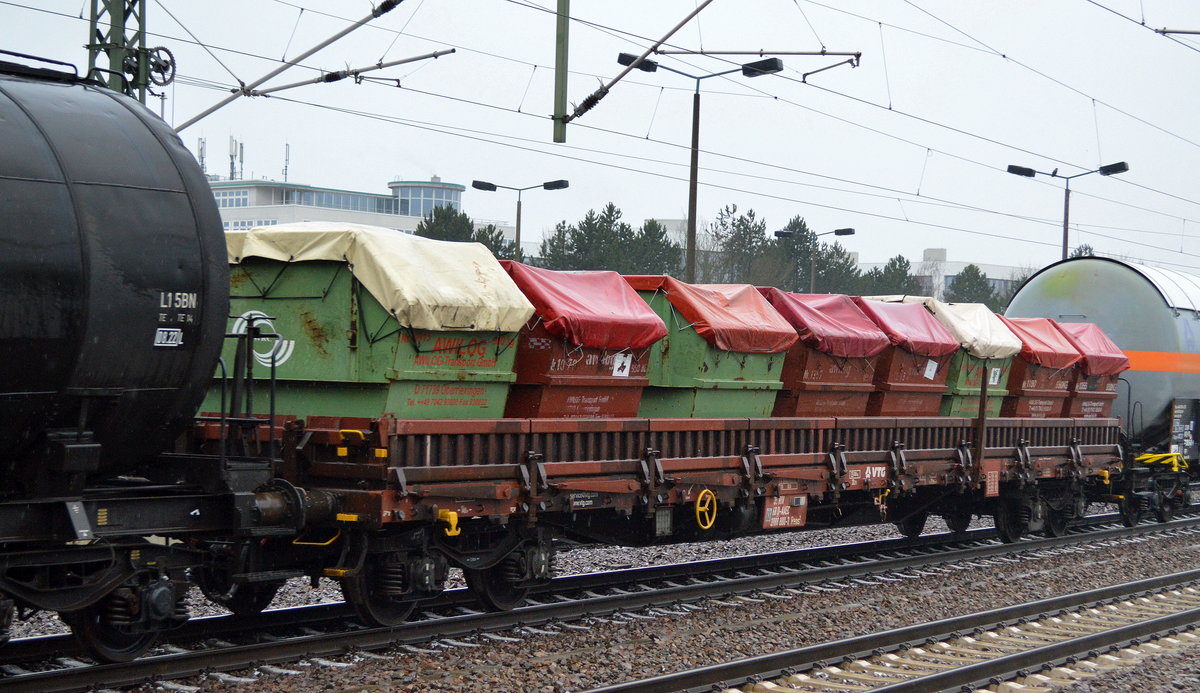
(425, 284)
(974, 325)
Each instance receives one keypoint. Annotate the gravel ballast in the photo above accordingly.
(618, 649)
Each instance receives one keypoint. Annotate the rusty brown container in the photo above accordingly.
(1037, 392)
(819, 384)
(1091, 396)
(557, 379)
(908, 384)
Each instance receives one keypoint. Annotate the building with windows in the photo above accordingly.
(935, 273)
(248, 203)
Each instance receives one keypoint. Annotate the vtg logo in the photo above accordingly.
(277, 350)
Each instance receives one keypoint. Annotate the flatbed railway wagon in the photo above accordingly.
(415, 496)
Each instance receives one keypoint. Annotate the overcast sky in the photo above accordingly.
(910, 148)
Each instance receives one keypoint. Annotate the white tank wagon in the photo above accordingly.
(1153, 314)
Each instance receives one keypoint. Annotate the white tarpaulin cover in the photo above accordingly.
(974, 325)
(425, 284)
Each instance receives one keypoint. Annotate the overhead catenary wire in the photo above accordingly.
(630, 169)
(890, 108)
(525, 3)
(198, 41)
(384, 7)
(809, 173)
(1143, 25)
(492, 140)
(355, 72)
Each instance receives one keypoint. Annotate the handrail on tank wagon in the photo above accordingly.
(243, 376)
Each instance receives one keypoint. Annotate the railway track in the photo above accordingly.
(287, 635)
(1042, 645)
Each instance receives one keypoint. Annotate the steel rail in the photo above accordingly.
(29, 648)
(25, 649)
(780, 664)
(176, 665)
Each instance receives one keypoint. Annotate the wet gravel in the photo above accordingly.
(617, 649)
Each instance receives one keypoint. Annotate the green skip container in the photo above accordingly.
(371, 321)
(723, 353)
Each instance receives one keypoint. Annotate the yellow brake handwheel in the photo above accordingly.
(706, 509)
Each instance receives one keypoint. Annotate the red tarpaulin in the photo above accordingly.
(1042, 343)
(1101, 356)
(591, 309)
(910, 326)
(829, 322)
(733, 317)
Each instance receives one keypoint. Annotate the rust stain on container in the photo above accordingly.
(316, 333)
(238, 278)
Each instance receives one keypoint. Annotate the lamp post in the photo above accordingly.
(754, 69)
(491, 187)
(812, 255)
(1109, 170)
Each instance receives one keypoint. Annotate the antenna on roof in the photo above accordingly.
(233, 150)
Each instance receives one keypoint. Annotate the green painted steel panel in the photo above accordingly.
(966, 374)
(690, 377)
(694, 402)
(342, 354)
(968, 405)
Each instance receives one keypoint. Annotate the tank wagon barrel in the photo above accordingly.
(115, 288)
(1153, 315)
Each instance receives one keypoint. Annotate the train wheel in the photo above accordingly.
(958, 521)
(104, 640)
(374, 591)
(494, 590)
(1008, 519)
(1131, 510)
(1056, 522)
(913, 525)
(242, 599)
(248, 599)
(1165, 511)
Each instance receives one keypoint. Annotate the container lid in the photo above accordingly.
(425, 284)
(831, 323)
(910, 326)
(1101, 356)
(591, 309)
(974, 325)
(733, 317)
(1042, 343)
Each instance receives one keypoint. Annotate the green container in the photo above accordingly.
(968, 405)
(965, 379)
(689, 377)
(343, 354)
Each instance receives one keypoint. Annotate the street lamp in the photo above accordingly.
(812, 255)
(1109, 170)
(757, 68)
(491, 187)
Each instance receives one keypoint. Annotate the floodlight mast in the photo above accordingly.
(757, 68)
(491, 187)
(1106, 170)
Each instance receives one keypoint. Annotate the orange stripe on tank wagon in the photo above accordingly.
(1163, 361)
